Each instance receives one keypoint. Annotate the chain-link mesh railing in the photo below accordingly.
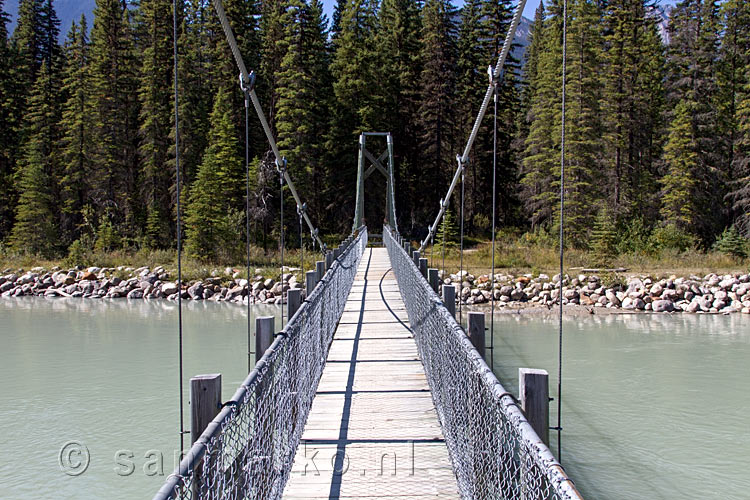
(494, 450)
(247, 451)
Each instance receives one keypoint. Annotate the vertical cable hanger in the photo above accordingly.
(562, 214)
(282, 170)
(461, 257)
(443, 249)
(246, 92)
(179, 220)
(494, 211)
(300, 211)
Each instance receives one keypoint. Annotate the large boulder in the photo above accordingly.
(662, 306)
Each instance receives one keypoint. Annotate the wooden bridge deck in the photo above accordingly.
(372, 431)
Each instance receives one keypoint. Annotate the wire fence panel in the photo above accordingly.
(494, 450)
(247, 451)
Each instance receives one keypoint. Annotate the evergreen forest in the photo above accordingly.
(658, 122)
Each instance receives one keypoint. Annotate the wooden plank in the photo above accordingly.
(372, 431)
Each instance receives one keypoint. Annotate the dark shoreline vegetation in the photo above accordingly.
(657, 165)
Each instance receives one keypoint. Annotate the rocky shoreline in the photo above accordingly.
(145, 283)
(709, 294)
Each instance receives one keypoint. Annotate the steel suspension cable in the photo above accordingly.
(179, 221)
(562, 214)
(494, 211)
(248, 80)
(464, 158)
(301, 247)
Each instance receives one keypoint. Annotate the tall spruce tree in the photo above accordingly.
(398, 43)
(632, 100)
(36, 224)
(740, 195)
(541, 155)
(681, 158)
(217, 191)
(77, 142)
(114, 85)
(734, 84)
(156, 120)
(436, 115)
(7, 130)
(354, 69)
(692, 68)
(304, 90)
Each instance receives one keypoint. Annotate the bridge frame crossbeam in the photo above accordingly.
(376, 165)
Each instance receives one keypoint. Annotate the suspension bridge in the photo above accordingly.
(371, 389)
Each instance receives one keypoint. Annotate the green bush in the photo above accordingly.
(670, 237)
(540, 237)
(78, 254)
(634, 237)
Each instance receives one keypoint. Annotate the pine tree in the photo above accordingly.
(304, 90)
(541, 156)
(396, 99)
(692, 68)
(740, 195)
(681, 160)
(529, 75)
(156, 120)
(218, 187)
(35, 229)
(353, 109)
(7, 130)
(583, 121)
(603, 238)
(734, 85)
(631, 104)
(114, 86)
(77, 144)
(436, 115)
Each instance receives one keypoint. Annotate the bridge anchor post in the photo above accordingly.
(433, 278)
(533, 391)
(423, 266)
(449, 298)
(476, 331)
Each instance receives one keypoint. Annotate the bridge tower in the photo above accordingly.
(362, 175)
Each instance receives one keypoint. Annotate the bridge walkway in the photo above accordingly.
(373, 431)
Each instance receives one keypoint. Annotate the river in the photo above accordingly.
(654, 406)
(104, 374)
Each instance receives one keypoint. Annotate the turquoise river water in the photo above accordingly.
(654, 407)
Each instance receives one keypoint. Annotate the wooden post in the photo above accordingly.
(449, 298)
(433, 278)
(320, 268)
(423, 266)
(311, 279)
(294, 300)
(415, 257)
(336, 252)
(476, 331)
(533, 391)
(329, 260)
(205, 402)
(406, 247)
(264, 330)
